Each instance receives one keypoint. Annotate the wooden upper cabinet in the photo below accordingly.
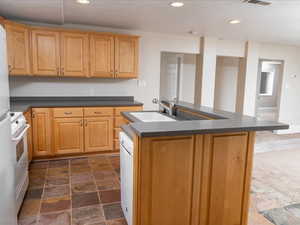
(68, 135)
(17, 48)
(102, 55)
(74, 54)
(126, 56)
(45, 52)
(98, 134)
(41, 131)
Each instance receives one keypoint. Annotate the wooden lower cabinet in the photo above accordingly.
(98, 134)
(42, 131)
(68, 135)
(29, 134)
(193, 180)
(76, 130)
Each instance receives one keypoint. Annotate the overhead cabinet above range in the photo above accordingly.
(44, 51)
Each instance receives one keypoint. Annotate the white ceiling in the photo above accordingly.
(279, 22)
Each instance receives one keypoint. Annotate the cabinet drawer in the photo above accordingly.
(98, 111)
(117, 144)
(117, 131)
(118, 110)
(119, 121)
(67, 112)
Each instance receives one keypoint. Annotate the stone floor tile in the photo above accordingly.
(28, 221)
(59, 164)
(117, 222)
(56, 191)
(88, 215)
(110, 196)
(76, 170)
(30, 208)
(79, 161)
(86, 199)
(36, 182)
(34, 193)
(58, 218)
(281, 217)
(58, 172)
(39, 165)
(113, 211)
(82, 178)
(105, 175)
(50, 181)
(81, 188)
(55, 204)
(108, 184)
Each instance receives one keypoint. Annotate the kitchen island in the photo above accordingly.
(193, 172)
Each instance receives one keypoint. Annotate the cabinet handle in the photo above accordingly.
(98, 112)
(9, 68)
(86, 123)
(81, 123)
(67, 113)
(57, 71)
(62, 71)
(33, 115)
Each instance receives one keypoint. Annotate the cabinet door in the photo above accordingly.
(102, 56)
(74, 54)
(68, 135)
(126, 57)
(98, 134)
(41, 127)
(45, 52)
(17, 48)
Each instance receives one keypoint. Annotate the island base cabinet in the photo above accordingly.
(193, 180)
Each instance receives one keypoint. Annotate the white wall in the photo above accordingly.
(187, 79)
(227, 71)
(151, 46)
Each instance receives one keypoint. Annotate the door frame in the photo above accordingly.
(280, 80)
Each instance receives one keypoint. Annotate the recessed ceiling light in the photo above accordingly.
(234, 21)
(177, 4)
(85, 2)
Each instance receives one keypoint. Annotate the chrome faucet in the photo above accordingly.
(167, 106)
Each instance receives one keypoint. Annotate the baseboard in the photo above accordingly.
(292, 130)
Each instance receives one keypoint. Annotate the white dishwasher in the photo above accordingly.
(126, 164)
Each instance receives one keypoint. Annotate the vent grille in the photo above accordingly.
(258, 2)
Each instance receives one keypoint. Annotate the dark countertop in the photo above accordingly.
(224, 122)
(22, 104)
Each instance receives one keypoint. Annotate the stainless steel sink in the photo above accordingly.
(151, 117)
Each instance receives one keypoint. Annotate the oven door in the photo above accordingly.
(20, 147)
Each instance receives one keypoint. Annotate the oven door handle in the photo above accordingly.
(22, 134)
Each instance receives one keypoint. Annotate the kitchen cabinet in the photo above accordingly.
(17, 36)
(29, 134)
(126, 56)
(42, 132)
(98, 134)
(45, 52)
(102, 55)
(74, 54)
(192, 179)
(68, 135)
(76, 130)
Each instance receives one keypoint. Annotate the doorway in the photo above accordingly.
(269, 82)
(177, 78)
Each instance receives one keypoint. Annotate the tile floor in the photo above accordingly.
(86, 191)
(83, 191)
